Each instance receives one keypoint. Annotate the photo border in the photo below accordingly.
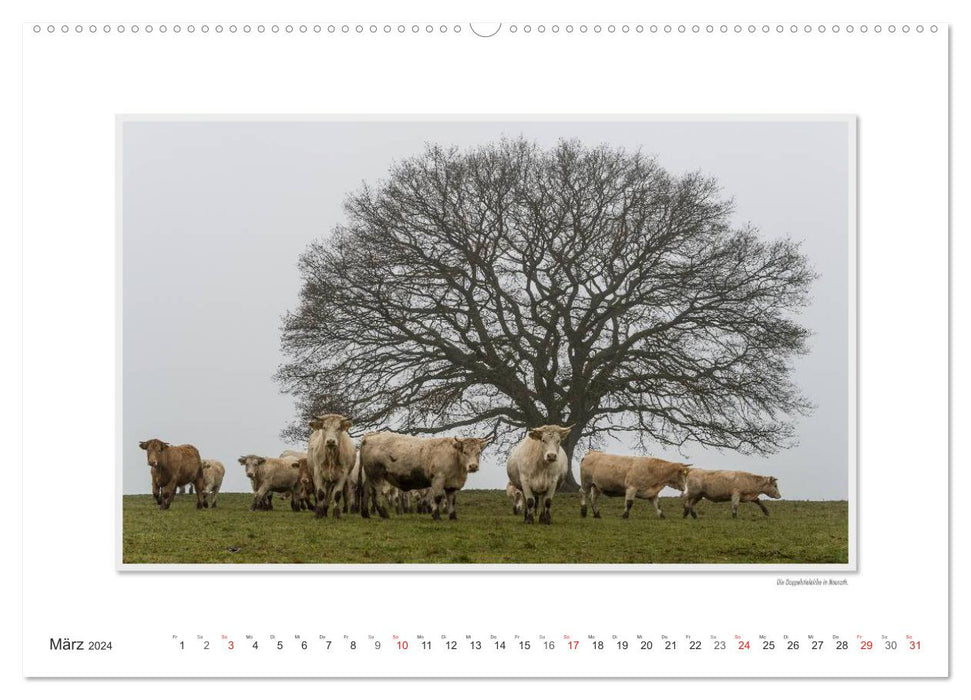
(853, 358)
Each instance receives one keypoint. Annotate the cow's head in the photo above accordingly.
(468, 450)
(680, 479)
(155, 448)
(770, 487)
(331, 425)
(551, 436)
(252, 464)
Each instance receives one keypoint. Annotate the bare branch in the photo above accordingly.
(508, 286)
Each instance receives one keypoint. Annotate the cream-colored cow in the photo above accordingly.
(213, 473)
(537, 466)
(331, 457)
(405, 463)
(628, 476)
(721, 486)
(271, 475)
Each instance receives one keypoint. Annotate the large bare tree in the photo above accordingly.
(511, 286)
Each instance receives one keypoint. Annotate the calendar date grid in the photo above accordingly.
(465, 644)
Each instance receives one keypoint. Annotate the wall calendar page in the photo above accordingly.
(545, 347)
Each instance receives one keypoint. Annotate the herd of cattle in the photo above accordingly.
(413, 474)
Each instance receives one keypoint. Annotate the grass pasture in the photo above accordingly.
(798, 532)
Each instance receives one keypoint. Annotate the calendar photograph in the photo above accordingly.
(504, 343)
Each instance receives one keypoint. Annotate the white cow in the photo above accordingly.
(213, 472)
(330, 456)
(537, 466)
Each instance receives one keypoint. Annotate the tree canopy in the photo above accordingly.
(509, 286)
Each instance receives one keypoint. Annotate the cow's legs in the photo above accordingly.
(436, 497)
(381, 501)
(694, 501)
(657, 506)
(214, 493)
(323, 500)
(260, 501)
(354, 497)
(200, 484)
(594, 495)
(369, 490)
(735, 500)
(690, 502)
(629, 495)
(363, 490)
(168, 491)
(547, 501)
(156, 487)
(450, 499)
(529, 500)
(760, 504)
(336, 494)
(584, 488)
(375, 488)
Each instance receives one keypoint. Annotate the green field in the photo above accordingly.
(797, 532)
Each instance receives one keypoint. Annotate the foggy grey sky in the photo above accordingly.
(215, 215)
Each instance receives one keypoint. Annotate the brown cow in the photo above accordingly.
(173, 466)
(628, 476)
(271, 475)
(721, 486)
(405, 462)
(307, 494)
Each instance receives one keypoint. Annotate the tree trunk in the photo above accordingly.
(570, 484)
